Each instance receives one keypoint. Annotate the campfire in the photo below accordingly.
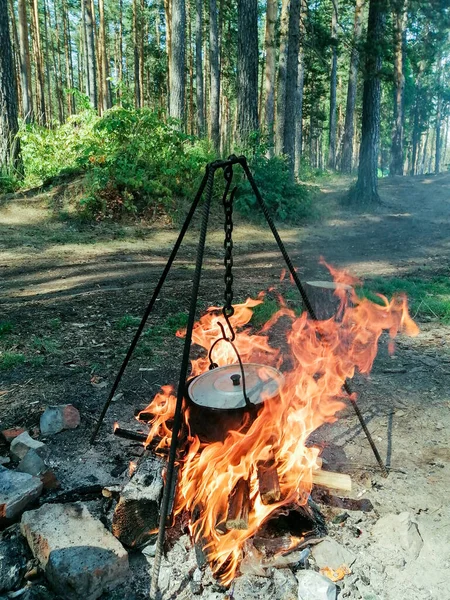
(251, 406)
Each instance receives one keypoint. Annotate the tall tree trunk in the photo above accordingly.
(333, 87)
(40, 88)
(366, 188)
(214, 76)
(9, 144)
(91, 69)
(142, 28)
(347, 143)
(178, 60)
(396, 167)
(47, 64)
(59, 82)
(120, 50)
(16, 56)
(247, 70)
(299, 91)
(25, 66)
(291, 85)
(68, 57)
(199, 68)
(437, 134)
(136, 44)
(103, 58)
(168, 14)
(281, 82)
(269, 75)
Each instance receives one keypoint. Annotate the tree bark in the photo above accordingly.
(168, 15)
(199, 68)
(291, 85)
(90, 53)
(299, 91)
(366, 189)
(46, 63)
(437, 154)
(281, 81)
(247, 70)
(103, 58)
(9, 144)
(178, 59)
(269, 74)
(40, 91)
(396, 167)
(25, 66)
(68, 57)
(333, 87)
(348, 138)
(136, 44)
(214, 76)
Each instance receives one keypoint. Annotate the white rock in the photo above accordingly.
(313, 586)
(24, 442)
(399, 532)
(80, 557)
(331, 554)
(17, 490)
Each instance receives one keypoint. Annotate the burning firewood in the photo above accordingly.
(269, 484)
(239, 505)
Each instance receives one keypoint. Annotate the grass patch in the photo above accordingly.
(55, 323)
(45, 345)
(128, 321)
(9, 360)
(5, 328)
(429, 299)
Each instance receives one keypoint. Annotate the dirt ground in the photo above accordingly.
(67, 289)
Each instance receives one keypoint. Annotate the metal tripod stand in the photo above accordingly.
(207, 184)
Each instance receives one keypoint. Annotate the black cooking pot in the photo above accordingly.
(217, 403)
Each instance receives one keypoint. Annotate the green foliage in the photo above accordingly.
(427, 298)
(286, 200)
(128, 321)
(5, 328)
(45, 345)
(9, 360)
(8, 183)
(263, 312)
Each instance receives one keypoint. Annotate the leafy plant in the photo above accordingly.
(9, 360)
(128, 321)
(5, 327)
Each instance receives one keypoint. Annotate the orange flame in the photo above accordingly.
(321, 355)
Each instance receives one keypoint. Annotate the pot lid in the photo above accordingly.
(222, 389)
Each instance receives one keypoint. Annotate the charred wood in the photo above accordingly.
(239, 505)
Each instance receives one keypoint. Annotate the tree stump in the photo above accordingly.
(323, 298)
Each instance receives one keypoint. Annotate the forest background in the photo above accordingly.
(135, 96)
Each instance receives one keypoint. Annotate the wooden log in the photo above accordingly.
(239, 506)
(323, 298)
(329, 479)
(136, 516)
(268, 482)
(129, 434)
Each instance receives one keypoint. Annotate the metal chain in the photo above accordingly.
(228, 309)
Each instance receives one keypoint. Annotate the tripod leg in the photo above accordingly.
(177, 419)
(149, 308)
(307, 303)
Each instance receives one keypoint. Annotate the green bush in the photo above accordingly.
(285, 200)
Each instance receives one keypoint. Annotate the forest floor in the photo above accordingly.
(71, 294)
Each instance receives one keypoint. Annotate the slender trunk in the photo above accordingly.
(247, 70)
(191, 76)
(366, 189)
(68, 57)
(348, 138)
(415, 133)
(299, 91)
(214, 76)
(333, 87)
(25, 66)
(291, 85)
(137, 71)
(269, 75)
(178, 60)
(141, 21)
(168, 13)
(199, 68)
(40, 90)
(9, 144)
(437, 135)
(281, 83)
(103, 57)
(90, 53)
(59, 82)
(424, 152)
(396, 167)
(47, 64)
(16, 57)
(120, 50)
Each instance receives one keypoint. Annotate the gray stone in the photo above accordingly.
(399, 533)
(17, 490)
(32, 464)
(37, 592)
(313, 586)
(248, 587)
(4, 460)
(286, 586)
(80, 557)
(57, 418)
(329, 553)
(24, 442)
(13, 559)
